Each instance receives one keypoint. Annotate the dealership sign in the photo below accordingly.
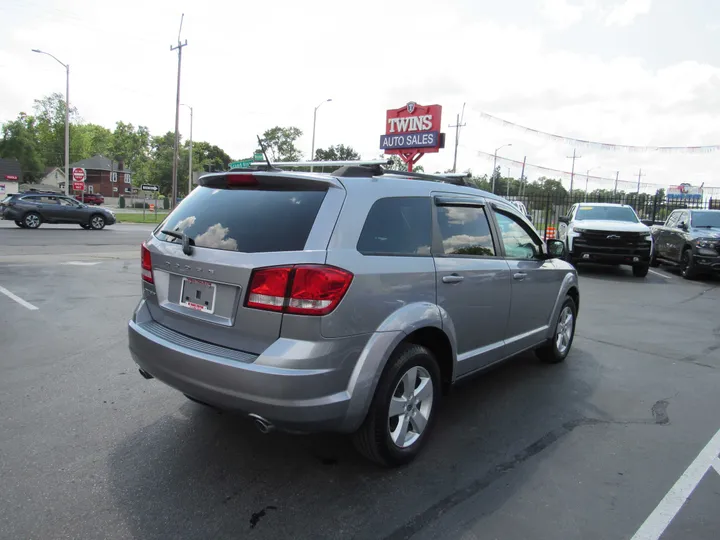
(685, 192)
(412, 131)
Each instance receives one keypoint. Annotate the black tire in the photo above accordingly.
(20, 224)
(551, 353)
(32, 220)
(687, 265)
(97, 222)
(373, 439)
(640, 270)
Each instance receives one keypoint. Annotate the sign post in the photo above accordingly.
(413, 131)
(78, 177)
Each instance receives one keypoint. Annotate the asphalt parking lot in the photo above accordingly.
(605, 446)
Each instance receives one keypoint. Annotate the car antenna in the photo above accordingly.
(267, 160)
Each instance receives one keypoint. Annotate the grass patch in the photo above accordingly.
(150, 217)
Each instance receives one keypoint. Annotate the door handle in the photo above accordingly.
(452, 278)
(519, 276)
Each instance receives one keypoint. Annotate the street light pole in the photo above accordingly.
(587, 177)
(495, 164)
(67, 117)
(312, 150)
(190, 173)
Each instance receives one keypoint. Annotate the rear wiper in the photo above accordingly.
(173, 234)
(187, 242)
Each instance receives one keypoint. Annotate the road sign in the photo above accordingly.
(242, 164)
(78, 174)
(258, 156)
(149, 187)
(78, 186)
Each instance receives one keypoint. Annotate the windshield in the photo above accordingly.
(708, 218)
(614, 213)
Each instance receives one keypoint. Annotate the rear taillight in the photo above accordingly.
(240, 179)
(146, 264)
(301, 290)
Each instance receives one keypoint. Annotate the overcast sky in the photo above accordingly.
(635, 72)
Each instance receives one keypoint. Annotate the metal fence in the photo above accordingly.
(546, 208)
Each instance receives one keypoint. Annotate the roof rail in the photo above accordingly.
(346, 163)
(457, 179)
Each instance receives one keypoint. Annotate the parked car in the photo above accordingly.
(91, 198)
(266, 293)
(690, 240)
(608, 234)
(31, 209)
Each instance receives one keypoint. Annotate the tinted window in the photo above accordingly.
(682, 218)
(672, 220)
(246, 220)
(614, 213)
(519, 243)
(397, 226)
(465, 231)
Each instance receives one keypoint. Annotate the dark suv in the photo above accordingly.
(690, 240)
(31, 209)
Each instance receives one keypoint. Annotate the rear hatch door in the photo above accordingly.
(231, 230)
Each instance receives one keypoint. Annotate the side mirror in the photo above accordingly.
(564, 219)
(556, 249)
(682, 225)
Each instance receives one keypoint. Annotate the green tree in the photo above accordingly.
(339, 152)
(399, 165)
(50, 122)
(19, 141)
(280, 143)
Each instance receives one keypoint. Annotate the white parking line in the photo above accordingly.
(659, 274)
(19, 300)
(658, 521)
(81, 263)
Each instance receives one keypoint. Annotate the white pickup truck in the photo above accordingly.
(606, 234)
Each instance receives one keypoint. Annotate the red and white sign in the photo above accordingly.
(78, 186)
(78, 174)
(412, 131)
(11, 177)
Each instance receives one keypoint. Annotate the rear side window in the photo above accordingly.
(245, 220)
(397, 226)
(465, 231)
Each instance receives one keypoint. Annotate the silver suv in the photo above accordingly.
(348, 302)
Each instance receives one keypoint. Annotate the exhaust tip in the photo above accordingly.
(264, 426)
(145, 374)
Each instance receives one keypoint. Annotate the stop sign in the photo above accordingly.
(78, 174)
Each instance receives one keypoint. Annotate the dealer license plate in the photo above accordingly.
(198, 295)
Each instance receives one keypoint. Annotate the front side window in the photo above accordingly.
(518, 242)
(397, 226)
(672, 220)
(465, 231)
(69, 202)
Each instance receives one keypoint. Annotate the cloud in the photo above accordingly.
(624, 14)
(563, 13)
(216, 237)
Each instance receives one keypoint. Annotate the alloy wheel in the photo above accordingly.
(410, 407)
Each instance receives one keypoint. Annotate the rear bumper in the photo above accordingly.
(10, 214)
(293, 399)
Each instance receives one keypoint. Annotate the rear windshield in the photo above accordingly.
(614, 213)
(245, 220)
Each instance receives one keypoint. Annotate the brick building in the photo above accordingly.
(105, 176)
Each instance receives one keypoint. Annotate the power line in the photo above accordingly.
(602, 145)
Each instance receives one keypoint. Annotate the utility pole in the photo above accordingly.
(616, 183)
(179, 48)
(457, 126)
(507, 184)
(312, 149)
(640, 174)
(572, 172)
(495, 164)
(522, 177)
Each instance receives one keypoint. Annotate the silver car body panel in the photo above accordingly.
(307, 373)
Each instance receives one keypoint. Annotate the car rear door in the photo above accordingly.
(473, 281)
(200, 288)
(536, 280)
